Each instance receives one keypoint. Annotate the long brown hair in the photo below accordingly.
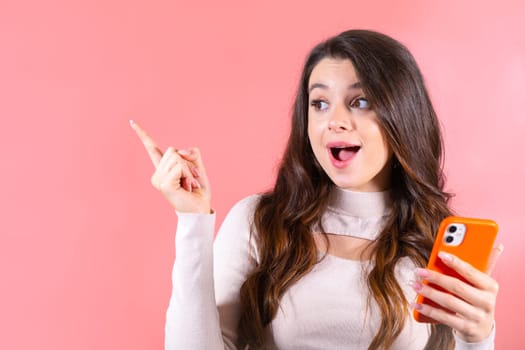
(284, 216)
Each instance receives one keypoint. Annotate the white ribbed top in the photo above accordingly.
(326, 309)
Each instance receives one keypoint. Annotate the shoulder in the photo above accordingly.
(247, 204)
(243, 209)
(239, 219)
(234, 237)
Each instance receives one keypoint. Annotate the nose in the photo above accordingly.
(340, 120)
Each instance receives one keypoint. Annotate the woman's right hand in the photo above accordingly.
(179, 175)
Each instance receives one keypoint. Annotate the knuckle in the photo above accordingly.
(154, 181)
(478, 315)
(495, 287)
(468, 328)
(490, 285)
(164, 186)
(489, 305)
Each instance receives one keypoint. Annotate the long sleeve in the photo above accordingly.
(204, 310)
(486, 344)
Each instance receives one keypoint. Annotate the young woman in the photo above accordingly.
(332, 256)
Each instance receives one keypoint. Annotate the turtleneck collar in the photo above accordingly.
(356, 214)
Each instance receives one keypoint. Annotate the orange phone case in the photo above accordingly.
(475, 248)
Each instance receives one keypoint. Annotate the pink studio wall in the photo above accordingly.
(86, 245)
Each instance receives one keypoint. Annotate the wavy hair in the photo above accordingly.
(284, 216)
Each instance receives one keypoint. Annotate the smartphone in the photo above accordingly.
(467, 238)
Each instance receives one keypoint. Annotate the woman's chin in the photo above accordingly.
(348, 185)
(358, 186)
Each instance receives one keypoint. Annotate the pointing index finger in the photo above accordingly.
(153, 150)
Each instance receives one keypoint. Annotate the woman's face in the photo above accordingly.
(343, 130)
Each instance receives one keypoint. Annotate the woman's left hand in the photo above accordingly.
(473, 307)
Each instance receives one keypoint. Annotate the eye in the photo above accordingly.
(360, 103)
(319, 105)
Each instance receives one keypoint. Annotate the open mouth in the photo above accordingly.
(344, 153)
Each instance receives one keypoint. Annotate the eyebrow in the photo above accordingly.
(356, 85)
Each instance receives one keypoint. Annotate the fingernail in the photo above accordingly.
(421, 272)
(196, 184)
(446, 257)
(132, 123)
(184, 152)
(416, 285)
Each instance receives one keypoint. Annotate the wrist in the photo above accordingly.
(200, 210)
(471, 339)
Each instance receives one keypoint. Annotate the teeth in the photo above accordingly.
(343, 147)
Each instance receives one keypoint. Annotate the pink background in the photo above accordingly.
(86, 244)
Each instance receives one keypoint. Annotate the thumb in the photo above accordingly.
(193, 155)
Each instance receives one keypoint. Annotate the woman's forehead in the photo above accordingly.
(332, 72)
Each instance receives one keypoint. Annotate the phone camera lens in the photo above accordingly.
(452, 229)
(449, 239)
